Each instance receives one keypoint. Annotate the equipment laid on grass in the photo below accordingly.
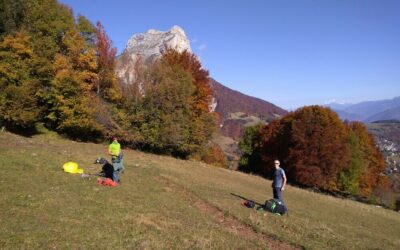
(72, 167)
(275, 206)
(107, 169)
(249, 204)
(107, 182)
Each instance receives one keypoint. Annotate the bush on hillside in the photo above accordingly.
(214, 155)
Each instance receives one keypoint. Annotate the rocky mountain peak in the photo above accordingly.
(148, 47)
(177, 30)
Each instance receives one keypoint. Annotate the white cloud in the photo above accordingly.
(202, 47)
(336, 101)
(331, 101)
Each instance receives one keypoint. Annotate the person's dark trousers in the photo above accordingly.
(115, 163)
(116, 176)
(278, 194)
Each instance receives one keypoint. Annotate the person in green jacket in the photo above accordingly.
(114, 149)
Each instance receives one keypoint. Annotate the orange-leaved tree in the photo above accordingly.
(318, 150)
(107, 86)
(311, 144)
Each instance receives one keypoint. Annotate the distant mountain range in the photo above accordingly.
(369, 111)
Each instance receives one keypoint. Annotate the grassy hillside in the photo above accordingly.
(165, 203)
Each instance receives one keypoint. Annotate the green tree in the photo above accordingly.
(11, 16)
(349, 178)
(369, 175)
(363, 174)
(87, 30)
(165, 115)
(2, 26)
(250, 160)
(162, 117)
(204, 121)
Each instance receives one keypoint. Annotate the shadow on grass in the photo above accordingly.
(27, 132)
(247, 199)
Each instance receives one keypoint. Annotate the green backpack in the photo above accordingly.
(275, 206)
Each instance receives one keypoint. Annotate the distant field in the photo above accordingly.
(165, 203)
(387, 130)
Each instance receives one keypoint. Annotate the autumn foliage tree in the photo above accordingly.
(214, 155)
(75, 75)
(52, 68)
(200, 77)
(107, 86)
(167, 117)
(318, 150)
(204, 122)
(18, 97)
(366, 164)
(59, 70)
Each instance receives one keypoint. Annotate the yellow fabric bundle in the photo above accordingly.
(72, 167)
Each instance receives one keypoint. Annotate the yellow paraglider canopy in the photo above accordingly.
(72, 167)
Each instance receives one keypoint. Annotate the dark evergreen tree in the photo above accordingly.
(87, 30)
(250, 145)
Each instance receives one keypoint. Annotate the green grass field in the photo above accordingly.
(165, 203)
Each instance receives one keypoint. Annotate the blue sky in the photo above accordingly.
(290, 53)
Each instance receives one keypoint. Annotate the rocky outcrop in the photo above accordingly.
(146, 48)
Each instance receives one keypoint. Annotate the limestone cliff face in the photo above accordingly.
(148, 47)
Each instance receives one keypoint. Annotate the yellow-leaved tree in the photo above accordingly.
(18, 97)
(73, 110)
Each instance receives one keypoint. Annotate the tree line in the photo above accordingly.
(58, 70)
